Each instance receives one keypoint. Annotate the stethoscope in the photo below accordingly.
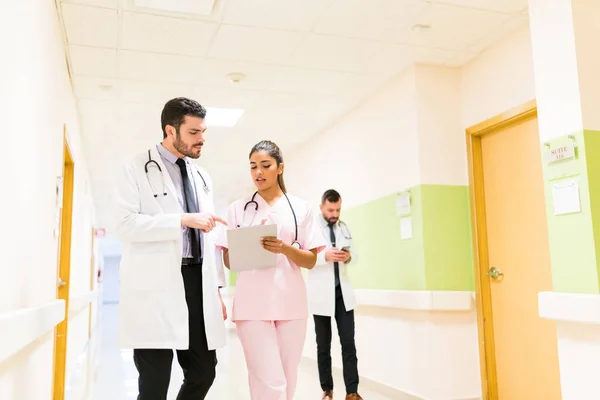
(295, 243)
(164, 187)
(344, 229)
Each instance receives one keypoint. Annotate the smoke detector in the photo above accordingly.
(421, 27)
(236, 77)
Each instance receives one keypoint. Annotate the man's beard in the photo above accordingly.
(182, 148)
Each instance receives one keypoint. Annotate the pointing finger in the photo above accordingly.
(219, 219)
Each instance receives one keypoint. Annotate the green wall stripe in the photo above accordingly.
(571, 237)
(384, 261)
(592, 146)
(447, 238)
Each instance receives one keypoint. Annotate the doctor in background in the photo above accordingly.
(170, 273)
(331, 295)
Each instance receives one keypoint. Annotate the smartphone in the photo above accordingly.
(346, 248)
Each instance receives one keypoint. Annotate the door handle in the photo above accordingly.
(495, 273)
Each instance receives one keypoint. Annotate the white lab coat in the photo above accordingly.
(153, 312)
(320, 282)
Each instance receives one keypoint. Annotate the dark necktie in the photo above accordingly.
(336, 265)
(190, 207)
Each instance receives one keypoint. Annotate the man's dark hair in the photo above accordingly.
(175, 110)
(331, 196)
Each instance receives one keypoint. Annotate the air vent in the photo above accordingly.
(197, 7)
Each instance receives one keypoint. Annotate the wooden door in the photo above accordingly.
(64, 273)
(518, 263)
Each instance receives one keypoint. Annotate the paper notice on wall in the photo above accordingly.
(403, 204)
(405, 228)
(565, 196)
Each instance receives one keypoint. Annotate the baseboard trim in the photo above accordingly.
(380, 387)
(371, 384)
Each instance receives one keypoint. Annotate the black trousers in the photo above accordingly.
(345, 326)
(198, 363)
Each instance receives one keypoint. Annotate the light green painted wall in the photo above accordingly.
(447, 238)
(232, 278)
(438, 257)
(592, 146)
(573, 248)
(384, 261)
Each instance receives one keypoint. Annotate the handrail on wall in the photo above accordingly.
(19, 328)
(79, 303)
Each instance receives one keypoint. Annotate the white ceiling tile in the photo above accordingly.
(281, 128)
(505, 6)
(291, 15)
(291, 103)
(391, 58)
(254, 44)
(214, 73)
(452, 28)
(396, 57)
(302, 104)
(490, 39)
(93, 61)
(226, 98)
(151, 92)
(428, 55)
(460, 58)
(360, 85)
(373, 19)
(90, 26)
(152, 33)
(159, 67)
(99, 3)
(335, 53)
(307, 81)
(95, 88)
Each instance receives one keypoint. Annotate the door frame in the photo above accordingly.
(64, 270)
(483, 298)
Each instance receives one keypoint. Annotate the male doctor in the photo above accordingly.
(170, 270)
(331, 295)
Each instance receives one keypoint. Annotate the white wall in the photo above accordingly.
(35, 102)
(499, 79)
(370, 149)
(442, 152)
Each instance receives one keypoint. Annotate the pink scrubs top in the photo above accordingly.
(274, 294)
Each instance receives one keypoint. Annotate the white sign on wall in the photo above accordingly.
(561, 153)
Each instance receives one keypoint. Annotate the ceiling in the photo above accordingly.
(306, 63)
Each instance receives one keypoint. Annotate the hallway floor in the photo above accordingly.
(116, 376)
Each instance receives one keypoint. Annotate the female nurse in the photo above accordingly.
(270, 305)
